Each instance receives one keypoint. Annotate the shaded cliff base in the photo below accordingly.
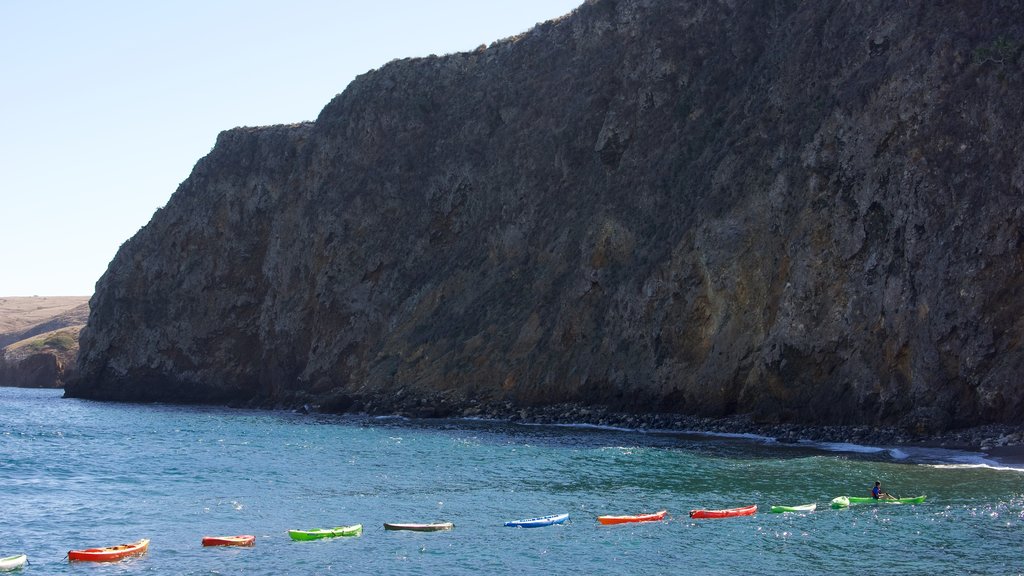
(1009, 455)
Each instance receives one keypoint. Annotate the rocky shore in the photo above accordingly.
(981, 438)
(1003, 442)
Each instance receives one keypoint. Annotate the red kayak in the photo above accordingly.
(243, 540)
(727, 513)
(636, 518)
(110, 553)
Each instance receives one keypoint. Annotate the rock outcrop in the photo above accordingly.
(803, 211)
(47, 361)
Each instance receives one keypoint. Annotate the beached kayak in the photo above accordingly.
(538, 522)
(634, 518)
(845, 501)
(12, 562)
(433, 527)
(800, 508)
(110, 553)
(725, 513)
(243, 540)
(318, 533)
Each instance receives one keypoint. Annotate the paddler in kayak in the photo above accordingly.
(877, 492)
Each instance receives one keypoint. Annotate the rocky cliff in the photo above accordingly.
(804, 211)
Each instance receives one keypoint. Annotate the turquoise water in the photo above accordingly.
(77, 473)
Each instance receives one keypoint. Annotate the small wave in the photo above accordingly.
(934, 457)
(843, 447)
(738, 435)
(978, 462)
(584, 426)
(898, 454)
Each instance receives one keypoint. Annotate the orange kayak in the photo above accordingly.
(636, 518)
(110, 553)
(726, 513)
(243, 540)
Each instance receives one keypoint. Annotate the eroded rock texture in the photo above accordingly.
(806, 211)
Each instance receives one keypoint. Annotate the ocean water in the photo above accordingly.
(77, 473)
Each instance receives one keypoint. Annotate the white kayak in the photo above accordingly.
(13, 562)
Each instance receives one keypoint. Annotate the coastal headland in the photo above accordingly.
(796, 216)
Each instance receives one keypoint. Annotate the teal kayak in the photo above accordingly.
(800, 508)
(317, 533)
(844, 501)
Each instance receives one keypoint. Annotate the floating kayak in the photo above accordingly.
(13, 562)
(801, 508)
(538, 522)
(434, 527)
(726, 513)
(844, 501)
(635, 518)
(244, 540)
(110, 553)
(318, 533)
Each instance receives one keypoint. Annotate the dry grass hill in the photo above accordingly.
(39, 339)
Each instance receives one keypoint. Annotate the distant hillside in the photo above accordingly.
(39, 339)
(21, 315)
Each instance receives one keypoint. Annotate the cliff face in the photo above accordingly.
(809, 212)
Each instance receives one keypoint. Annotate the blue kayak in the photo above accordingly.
(538, 522)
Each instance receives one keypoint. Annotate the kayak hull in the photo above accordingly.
(110, 553)
(13, 562)
(432, 527)
(321, 533)
(538, 522)
(800, 508)
(724, 513)
(656, 517)
(846, 501)
(243, 540)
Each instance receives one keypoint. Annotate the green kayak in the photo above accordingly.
(844, 501)
(317, 533)
(800, 508)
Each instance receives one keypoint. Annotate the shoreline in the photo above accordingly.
(1012, 456)
(1000, 443)
(1003, 444)
(1000, 446)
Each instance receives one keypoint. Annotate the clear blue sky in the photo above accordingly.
(105, 105)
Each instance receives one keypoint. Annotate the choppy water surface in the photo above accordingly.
(77, 473)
